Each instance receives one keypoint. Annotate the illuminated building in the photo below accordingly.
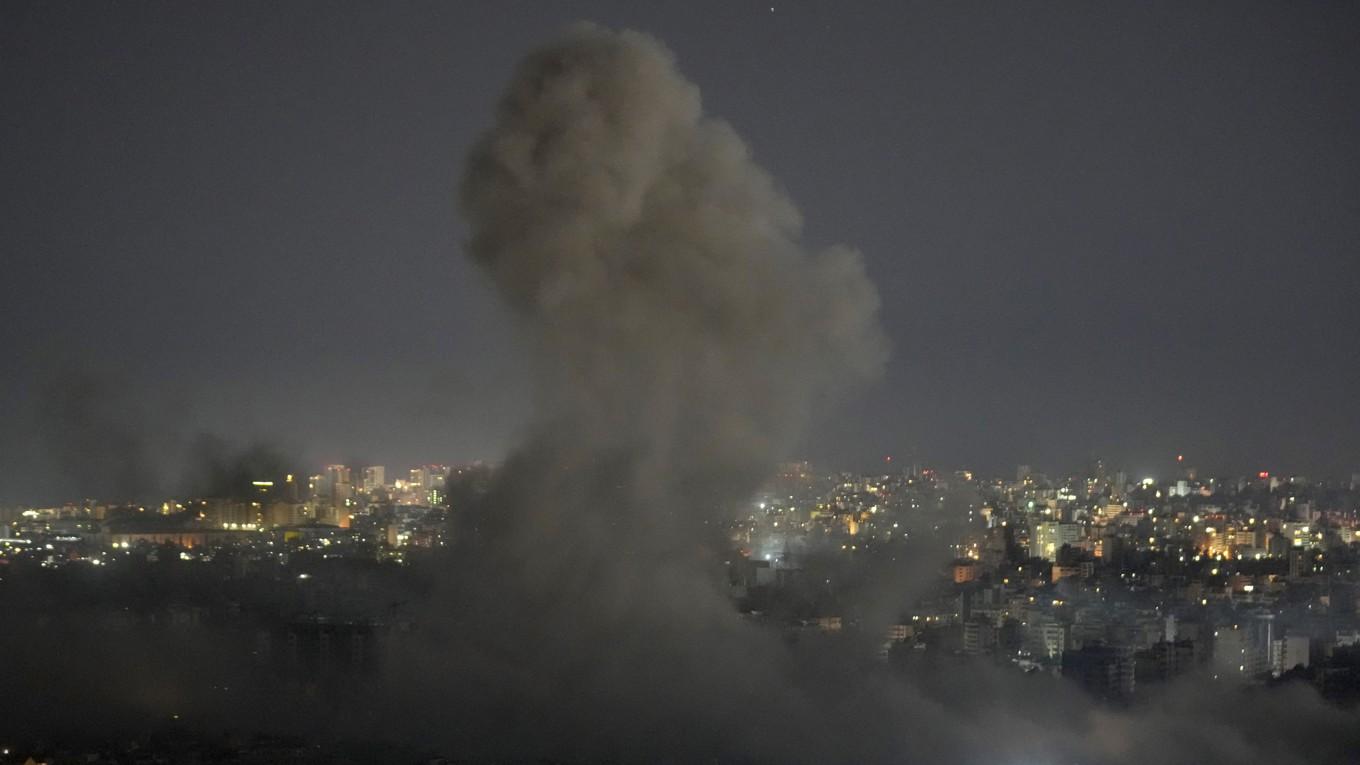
(1050, 536)
(375, 478)
(1065, 572)
(1287, 653)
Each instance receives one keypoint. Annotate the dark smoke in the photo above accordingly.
(94, 435)
(682, 332)
(683, 336)
(221, 469)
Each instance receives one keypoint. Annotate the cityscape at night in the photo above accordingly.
(955, 383)
(1120, 589)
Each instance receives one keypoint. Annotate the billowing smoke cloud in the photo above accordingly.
(682, 331)
(678, 319)
(684, 337)
(218, 468)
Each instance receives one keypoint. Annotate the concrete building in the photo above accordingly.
(1049, 537)
(1287, 653)
(979, 636)
(1236, 656)
(1105, 671)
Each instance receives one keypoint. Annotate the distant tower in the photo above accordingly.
(1096, 470)
(338, 481)
(337, 474)
(1300, 562)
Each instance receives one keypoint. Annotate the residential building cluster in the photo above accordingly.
(1117, 583)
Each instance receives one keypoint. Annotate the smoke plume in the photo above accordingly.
(678, 320)
(95, 435)
(220, 469)
(683, 335)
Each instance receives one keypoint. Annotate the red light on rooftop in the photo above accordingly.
(1263, 475)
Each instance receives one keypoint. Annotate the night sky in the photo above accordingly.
(1126, 231)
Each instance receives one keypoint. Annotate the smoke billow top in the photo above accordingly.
(678, 318)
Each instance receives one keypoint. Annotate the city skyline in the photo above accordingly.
(187, 479)
(1103, 595)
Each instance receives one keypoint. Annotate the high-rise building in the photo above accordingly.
(1300, 562)
(1053, 639)
(1050, 536)
(429, 477)
(375, 478)
(1166, 660)
(318, 487)
(231, 513)
(340, 488)
(979, 635)
(1288, 652)
(337, 474)
(1106, 671)
(437, 477)
(1237, 656)
(285, 514)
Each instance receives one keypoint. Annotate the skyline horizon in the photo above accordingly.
(1163, 475)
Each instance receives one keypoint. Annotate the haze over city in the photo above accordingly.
(735, 383)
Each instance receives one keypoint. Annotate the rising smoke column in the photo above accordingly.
(683, 336)
(659, 270)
